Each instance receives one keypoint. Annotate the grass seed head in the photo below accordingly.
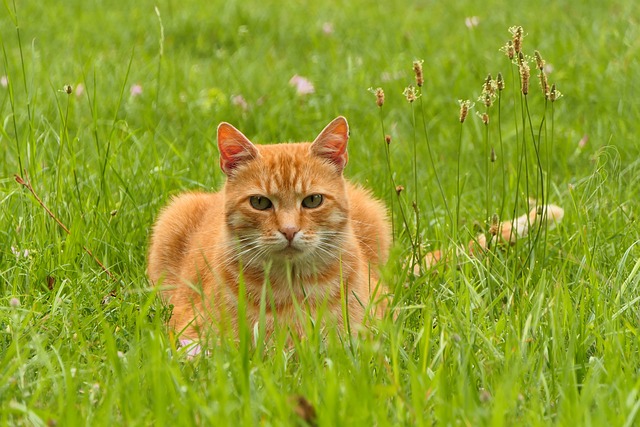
(67, 89)
(399, 189)
(417, 69)
(525, 73)
(465, 106)
(489, 91)
(509, 50)
(539, 61)
(411, 93)
(495, 225)
(554, 94)
(387, 139)
(517, 36)
(544, 84)
(379, 93)
(500, 82)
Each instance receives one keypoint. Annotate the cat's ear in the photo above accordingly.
(234, 147)
(331, 144)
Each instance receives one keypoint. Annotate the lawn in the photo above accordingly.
(108, 109)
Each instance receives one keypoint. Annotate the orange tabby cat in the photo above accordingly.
(287, 219)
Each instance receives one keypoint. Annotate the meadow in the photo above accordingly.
(109, 108)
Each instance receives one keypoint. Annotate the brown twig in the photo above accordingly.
(27, 185)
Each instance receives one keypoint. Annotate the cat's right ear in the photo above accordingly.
(234, 147)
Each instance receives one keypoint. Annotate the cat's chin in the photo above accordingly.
(291, 253)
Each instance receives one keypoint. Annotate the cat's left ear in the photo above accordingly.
(331, 144)
(235, 148)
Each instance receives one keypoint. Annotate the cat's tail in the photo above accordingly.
(504, 233)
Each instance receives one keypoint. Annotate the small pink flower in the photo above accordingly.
(14, 302)
(471, 22)
(79, 90)
(4, 81)
(239, 101)
(18, 253)
(303, 86)
(583, 141)
(136, 90)
(191, 348)
(327, 28)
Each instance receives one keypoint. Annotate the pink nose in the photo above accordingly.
(289, 232)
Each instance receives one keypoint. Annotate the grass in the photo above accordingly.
(546, 333)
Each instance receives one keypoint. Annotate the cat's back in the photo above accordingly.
(175, 229)
(370, 223)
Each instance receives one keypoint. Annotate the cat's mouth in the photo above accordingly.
(291, 251)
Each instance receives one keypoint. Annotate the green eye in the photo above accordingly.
(312, 201)
(260, 203)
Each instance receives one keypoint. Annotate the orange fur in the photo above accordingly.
(203, 243)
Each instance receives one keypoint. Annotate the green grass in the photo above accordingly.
(544, 334)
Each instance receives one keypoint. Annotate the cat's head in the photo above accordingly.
(286, 202)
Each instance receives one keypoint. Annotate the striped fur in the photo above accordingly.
(202, 243)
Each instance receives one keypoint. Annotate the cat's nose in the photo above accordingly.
(289, 232)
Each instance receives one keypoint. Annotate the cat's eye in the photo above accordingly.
(260, 203)
(312, 201)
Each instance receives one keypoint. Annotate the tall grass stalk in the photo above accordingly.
(394, 186)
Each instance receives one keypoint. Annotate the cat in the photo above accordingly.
(286, 218)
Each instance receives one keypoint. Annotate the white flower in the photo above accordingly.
(303, 86)
(471, 21)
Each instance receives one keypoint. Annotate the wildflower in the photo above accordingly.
(239, 101)
(303, 85)
(465, 106)
(67, 89)
(524, 73)
(327, 28)
(417, 69)
(379, 93)
(79, 89)
(4, 81)
(18, 253)
(191, 348)
(399, 189)
(583, 141)
(14, 302)
(411, 93)
(135, 90)
(471, 22)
